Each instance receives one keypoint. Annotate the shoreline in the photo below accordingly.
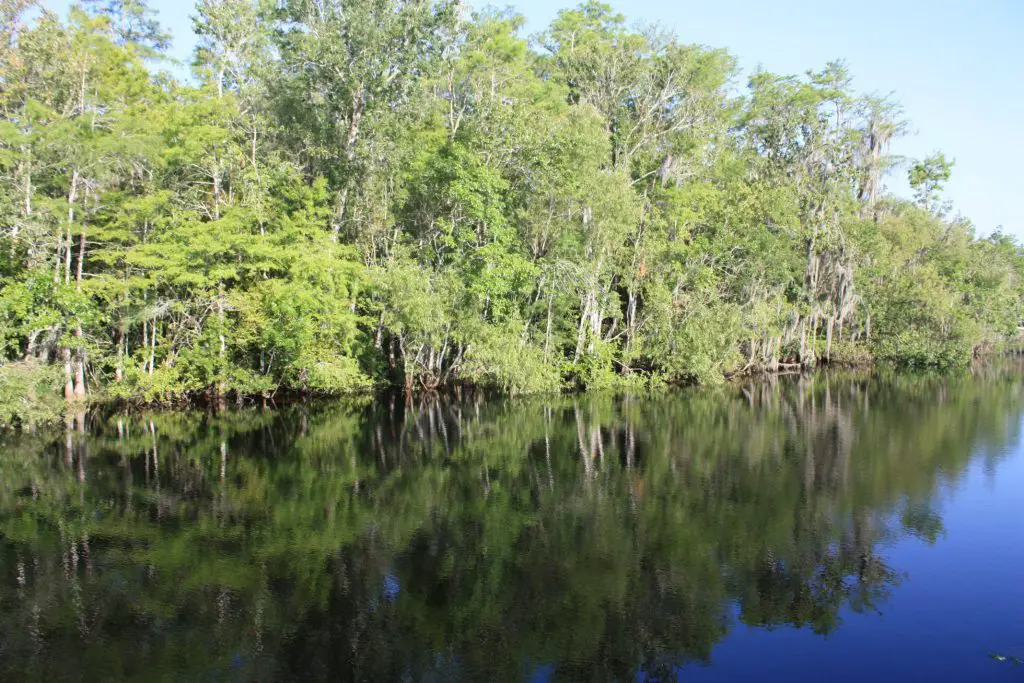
(35, 413)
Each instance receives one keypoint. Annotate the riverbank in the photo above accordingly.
(557, 228)
(30, 393)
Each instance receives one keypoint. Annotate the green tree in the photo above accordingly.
(927, 178)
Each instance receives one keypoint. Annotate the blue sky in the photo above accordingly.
(956, 66)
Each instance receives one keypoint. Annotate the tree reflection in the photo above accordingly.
(472, 539)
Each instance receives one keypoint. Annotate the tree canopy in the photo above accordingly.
(396, 192)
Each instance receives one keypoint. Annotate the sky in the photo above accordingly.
(956, 66)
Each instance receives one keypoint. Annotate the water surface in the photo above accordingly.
(798, 529)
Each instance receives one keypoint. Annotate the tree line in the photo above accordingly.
(400, 192)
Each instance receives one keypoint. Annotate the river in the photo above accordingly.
(837, 527)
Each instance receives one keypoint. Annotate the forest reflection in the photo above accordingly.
(473, 539)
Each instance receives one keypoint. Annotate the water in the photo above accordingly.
(800, 529)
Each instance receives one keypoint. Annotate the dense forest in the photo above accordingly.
(400, 192)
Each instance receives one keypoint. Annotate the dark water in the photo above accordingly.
(827, 528)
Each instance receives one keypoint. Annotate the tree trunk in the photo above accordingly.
(547, 331)
(803, 341)
(342, 202)
(119, 370)
(27, 202)
(79, 365)
(152, 349)
(216, 190)
(72, 196)
(828, 342)
(69, 382)
(358, 103)
(630, 319)
(581, 334)
(81, 259)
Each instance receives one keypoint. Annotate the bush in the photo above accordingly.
(849, 353)
(915, 350)
(30, 393)
(497, 358)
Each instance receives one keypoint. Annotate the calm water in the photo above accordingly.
(833, 527)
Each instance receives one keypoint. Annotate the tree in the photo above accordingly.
(927, 177)
(133, 23)
(393, 192)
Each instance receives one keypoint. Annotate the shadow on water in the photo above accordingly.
(585, 538)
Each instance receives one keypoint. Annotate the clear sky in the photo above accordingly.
(957, 67)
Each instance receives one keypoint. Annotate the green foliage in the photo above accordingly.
(29, 395)
(853, 354)
(383, 192)
(497, 357)
(927, 176)
(917, 349)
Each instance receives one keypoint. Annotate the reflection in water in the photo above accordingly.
(585, 538)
